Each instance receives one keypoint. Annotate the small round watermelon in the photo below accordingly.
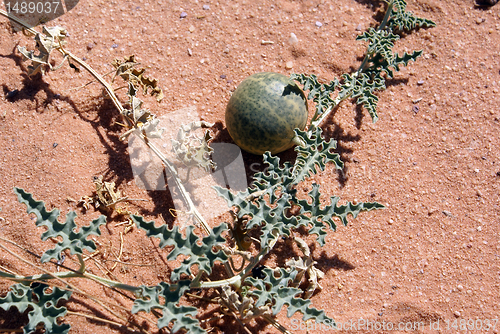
(263, 112)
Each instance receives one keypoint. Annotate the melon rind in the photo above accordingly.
(263, 112)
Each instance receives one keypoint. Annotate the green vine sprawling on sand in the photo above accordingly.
(253, 290)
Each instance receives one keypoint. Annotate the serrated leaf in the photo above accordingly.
(199, 251)
(43, 306)
(274, 177)
(362, 87)
(318, 217)
(50, 39)
(193, 150)
(400, 19)
(384, 65)
(126, 69)
(314, 154)
(76, 242)
(381, 42)
(273, 290)
(276, 182)
(318, 92)
(182, 317)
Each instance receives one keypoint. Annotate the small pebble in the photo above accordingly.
(55, 145)
(206, 7)
(447, 213)
(12, 94)
(415, 109)
(183, 15)
(190, 52)
(191, 29)
(319, 24)
(456, 314)
(289, 65)
(114, 46)
(420, 82)
(226, 50)
(222, 76)
(90, 46)
(293, 39)
(359, 27)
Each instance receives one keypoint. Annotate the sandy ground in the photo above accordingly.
(432, 257)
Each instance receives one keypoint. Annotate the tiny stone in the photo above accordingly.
(319, 24)
(191, 29)
(90, 46)
(114, 46)
(12, 94)
(55, 145)
(226, 50)
(289, 65)
(183, 15)
(447, 213)
(293, 39)
(190, 52)
(415, 109)
(460, 287)
(479, 228)
(480, 20)
(222, 76)
(206, 7)
(456, 314)
(420, 82)
(359, 27)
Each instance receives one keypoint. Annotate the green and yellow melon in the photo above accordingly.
(263, 112)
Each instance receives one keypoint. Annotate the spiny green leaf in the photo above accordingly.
(362, 86)
(317, 216)
(318, 92)
(314, 154)
(274, 177)
(198, 251)
(43, 306)
(271, 220)
(76, 242)
(381, 42)
(400, 19)
(273, 290)
(182, 317)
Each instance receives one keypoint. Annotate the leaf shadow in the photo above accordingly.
(31, 86)
(105, 120)
(13, 319)
(253, 163)
(334, 131)
(223, 321)
(96, 312)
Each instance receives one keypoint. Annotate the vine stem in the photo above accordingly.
(382, 25)
(109, 89)
(317, 121)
